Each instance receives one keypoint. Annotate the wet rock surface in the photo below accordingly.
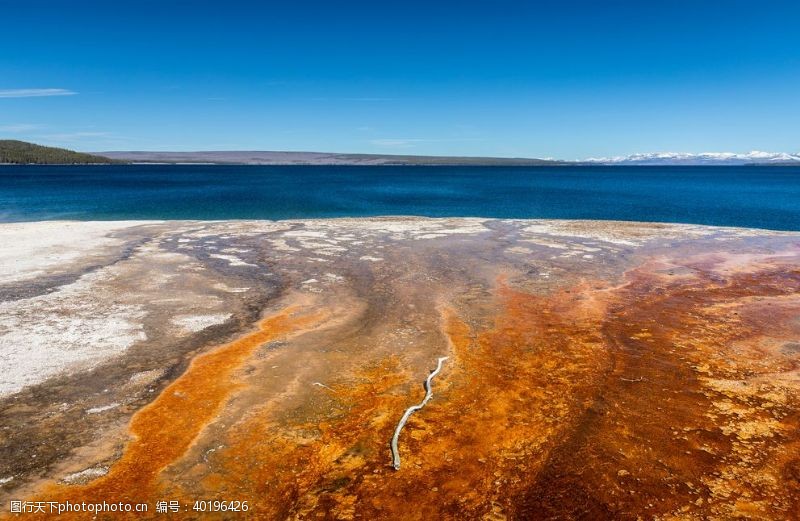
(598, 370)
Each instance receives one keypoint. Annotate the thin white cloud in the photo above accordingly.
(410, 142)
(19, 128)
(395, 143)
(356, 99)
(75, 136)
(34, 93)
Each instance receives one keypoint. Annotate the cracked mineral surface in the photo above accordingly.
(596, 370)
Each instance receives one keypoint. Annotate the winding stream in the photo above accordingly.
(411, 410)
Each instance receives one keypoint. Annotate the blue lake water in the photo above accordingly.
(763, 197)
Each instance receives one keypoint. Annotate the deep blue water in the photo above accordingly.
(763, 197)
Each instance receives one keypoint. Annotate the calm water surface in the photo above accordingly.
(763, 197)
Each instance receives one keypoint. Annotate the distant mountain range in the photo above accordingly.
(20, 152)
(322, 158)
(709, 158)
(315, 158)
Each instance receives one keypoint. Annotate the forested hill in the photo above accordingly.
(21, 152)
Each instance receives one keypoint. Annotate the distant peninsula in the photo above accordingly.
(243, 157)
(316, 158)
(24, 153)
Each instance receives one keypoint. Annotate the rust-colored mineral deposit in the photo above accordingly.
(585, 370)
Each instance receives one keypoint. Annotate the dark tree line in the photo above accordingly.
(22, 153)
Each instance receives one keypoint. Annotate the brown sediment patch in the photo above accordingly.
(685, 426)
(164, 430)
(515, 390)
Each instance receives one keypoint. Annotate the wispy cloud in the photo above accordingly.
(34, 93)
(367, 99)
(19, 128)
(76, 136)
(410, 142)
(395, 143)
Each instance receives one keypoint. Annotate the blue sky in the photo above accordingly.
(565, 79)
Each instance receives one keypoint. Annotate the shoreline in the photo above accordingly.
(400, 217)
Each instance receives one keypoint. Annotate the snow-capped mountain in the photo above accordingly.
(707, 158)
